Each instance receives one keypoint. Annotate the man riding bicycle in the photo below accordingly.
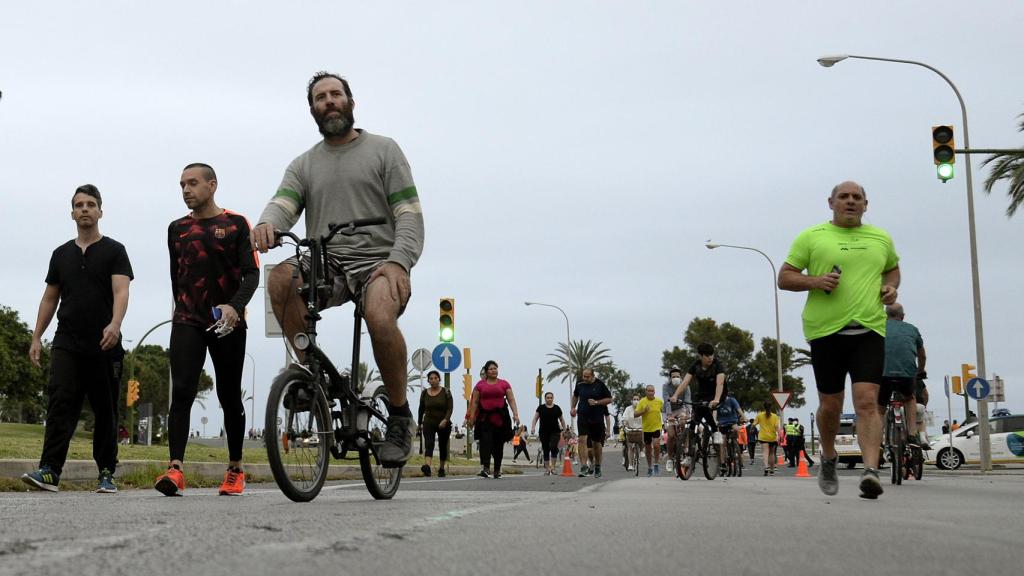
(710, 377)
(352, 174)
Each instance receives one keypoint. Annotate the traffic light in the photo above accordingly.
(943, 151)
(133, 392)
(966, 373)
(958, 386)
(467, 386)
(447, 319)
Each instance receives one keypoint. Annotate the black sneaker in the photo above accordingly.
(426, 470)
(43, 479)
(497, 474)
(597, 471)
(870, 485)
(584, 471)
(396, 449)
(441, 473)
(483, 473)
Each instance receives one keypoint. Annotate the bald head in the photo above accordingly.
(848, 186)
(894, 311)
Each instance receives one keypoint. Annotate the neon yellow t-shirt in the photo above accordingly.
(651, 418)
(767, 427)
(863, 254)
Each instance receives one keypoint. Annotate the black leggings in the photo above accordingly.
(443, 435)
(549, 445)
(492, 444)
(73, 378)
(521, 449)
(188, 354)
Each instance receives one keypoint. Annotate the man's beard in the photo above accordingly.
(337, 126)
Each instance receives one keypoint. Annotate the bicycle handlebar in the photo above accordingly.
(332, 230)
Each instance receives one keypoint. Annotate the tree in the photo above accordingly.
(1008, 166)
(366, 378)
(621, 386)
(750, 377)
(152, 371)
(569, 361)
(22, 385)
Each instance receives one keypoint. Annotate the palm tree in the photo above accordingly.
(367, 376)
(1008, 166)
(572, 359)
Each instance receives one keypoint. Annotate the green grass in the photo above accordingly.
(25, 441)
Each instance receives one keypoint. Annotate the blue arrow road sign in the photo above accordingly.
(978, 388)
(446, 357)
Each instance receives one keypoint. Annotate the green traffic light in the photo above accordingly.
(447, 334)
(945, 172)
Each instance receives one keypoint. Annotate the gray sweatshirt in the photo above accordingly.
(365, 178)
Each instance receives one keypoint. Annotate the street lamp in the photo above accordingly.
(775, 288)
(568, 340)
(252, 397)
(979, 337)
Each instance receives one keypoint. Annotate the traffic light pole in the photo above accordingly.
(131, 376)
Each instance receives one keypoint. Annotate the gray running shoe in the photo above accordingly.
(584, 471)
(394, 452)
(870, 486)
(827, 479)
(597, 471)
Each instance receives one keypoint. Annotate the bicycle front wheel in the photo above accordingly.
(381, 482)
(711, 459)
(298, 434)
(684, 455)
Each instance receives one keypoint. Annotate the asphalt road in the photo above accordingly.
(528, 524)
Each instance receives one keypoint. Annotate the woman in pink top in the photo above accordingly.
(488, 412)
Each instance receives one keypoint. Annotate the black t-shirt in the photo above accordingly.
(583, 392)
(209, 258)
(549, 418)
(86, 295)
(705, 380)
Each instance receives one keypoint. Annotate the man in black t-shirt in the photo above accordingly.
(88, 277)
(590, 400)
(710, 377)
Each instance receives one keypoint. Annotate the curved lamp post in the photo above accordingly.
(568, 340)
(979, 338)
(775, 288)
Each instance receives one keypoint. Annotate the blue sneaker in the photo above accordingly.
(657, 472)
(43, 479)
(106, 485)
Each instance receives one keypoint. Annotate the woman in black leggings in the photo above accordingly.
(551, 424)
(435, 417)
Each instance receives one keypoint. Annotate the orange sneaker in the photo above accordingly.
(234, 482)
(171, 483)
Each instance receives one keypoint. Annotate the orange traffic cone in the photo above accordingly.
(567, 467)
(782, 460)
(801, 468)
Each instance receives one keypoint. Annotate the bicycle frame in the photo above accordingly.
(315, 285)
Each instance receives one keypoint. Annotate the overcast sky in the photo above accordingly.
(573, 153)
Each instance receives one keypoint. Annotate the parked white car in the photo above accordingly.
(1006, 436)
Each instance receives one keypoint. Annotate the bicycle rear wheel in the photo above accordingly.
(634, 458)
(381, 482)
(917, 464)
(711, 458)
(298, 434)
(684, 455)
(898, 459)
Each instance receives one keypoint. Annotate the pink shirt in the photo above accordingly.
(492, 399)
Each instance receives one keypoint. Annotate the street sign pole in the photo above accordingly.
(949, 413)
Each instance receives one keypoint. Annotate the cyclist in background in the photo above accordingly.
(710, 377)
(729, 414)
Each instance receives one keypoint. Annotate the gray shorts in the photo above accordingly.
(349, 280)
